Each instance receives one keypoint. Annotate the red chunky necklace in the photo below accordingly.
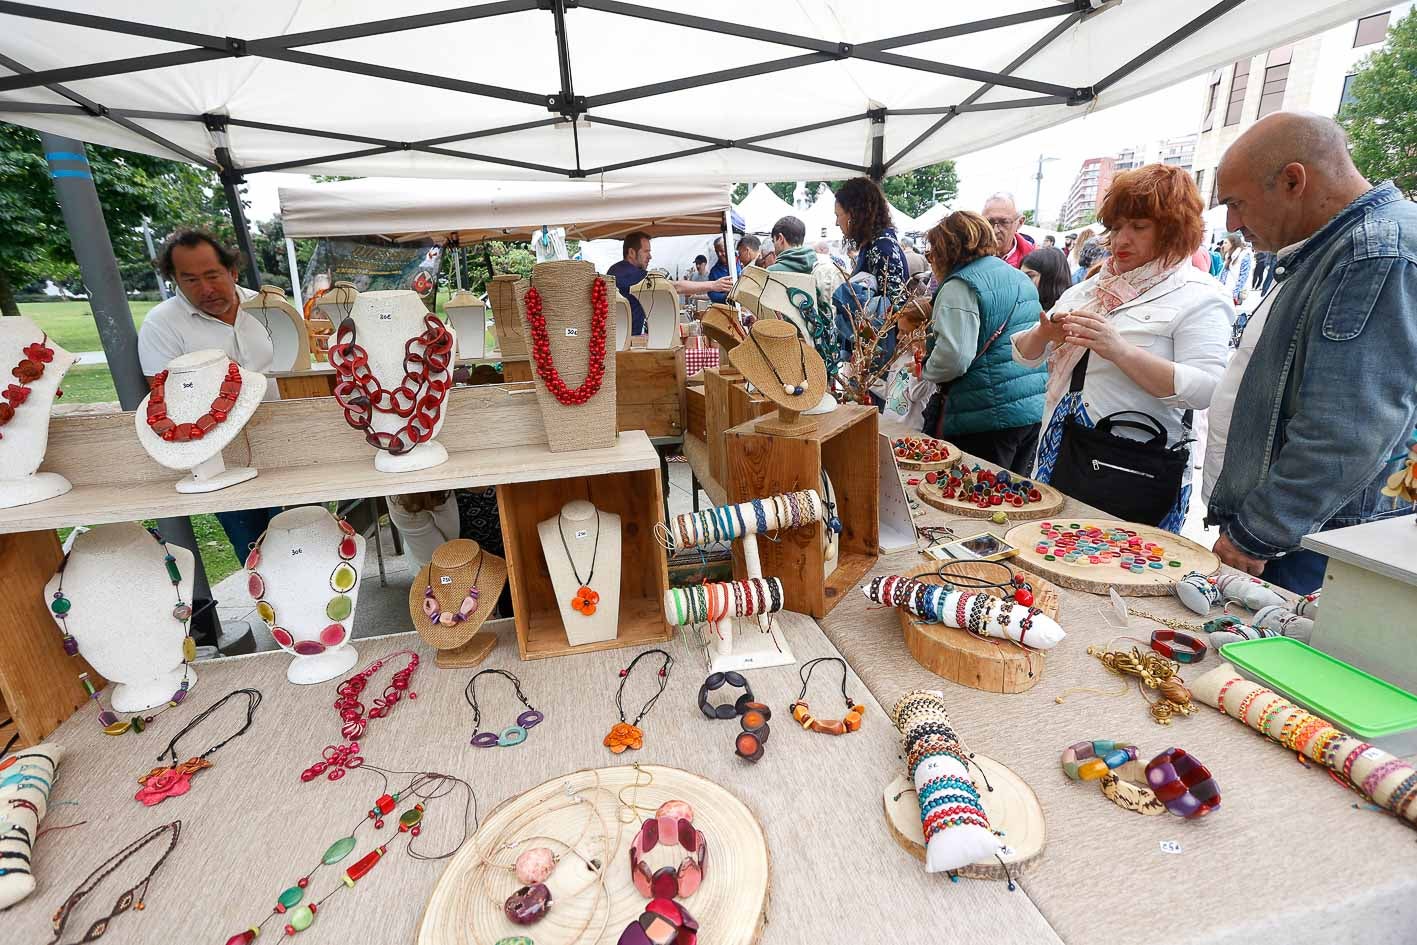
(29, 369)
(170, 430)
(336, 758)
(418, 397)
(541, 347)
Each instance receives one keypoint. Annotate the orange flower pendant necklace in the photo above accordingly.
(585, 600)
(625, 734)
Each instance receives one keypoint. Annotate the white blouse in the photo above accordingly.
(423, 532)
(1184, 319)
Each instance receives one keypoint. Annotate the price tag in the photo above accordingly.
(1006, 850)
(572, 332)
(386, 316)
(297, 551)
(1170, 846)
(445, 579)
(188, 385)
(582, 533)
(1373, 754)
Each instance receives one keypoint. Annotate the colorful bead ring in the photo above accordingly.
(1183, 784)
(1089, 761)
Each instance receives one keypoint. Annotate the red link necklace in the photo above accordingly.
(337, 758)
(29, 369)
(541, 347)
(170, 430)
(418, 398)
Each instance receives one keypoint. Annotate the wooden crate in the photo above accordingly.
(845, 445)
(647, 391)
(727, 404)
(644, 566)
(695, 411)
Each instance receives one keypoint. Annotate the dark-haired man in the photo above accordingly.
(630, 271)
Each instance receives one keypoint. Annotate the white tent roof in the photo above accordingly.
(664, 89)
(477, 210)
(762, 208)
(929, 218)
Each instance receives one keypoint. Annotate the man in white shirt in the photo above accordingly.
(204, 314)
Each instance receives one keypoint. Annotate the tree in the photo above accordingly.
(1028, 218)
(1381, 117)
(34, 243)
(922, 188)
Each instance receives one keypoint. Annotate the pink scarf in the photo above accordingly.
(1109, 290)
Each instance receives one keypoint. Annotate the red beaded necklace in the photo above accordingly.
(336, 758)
(29, 369)
(171, 430)
(418, 397)
(541, 347)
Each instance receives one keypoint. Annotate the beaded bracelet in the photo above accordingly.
(1220, 698)
(1183, 784)
(1403, 793)
(1375, 777)
(1179, 646)
(1352, 757)
(1243, 713)
(1088, 761)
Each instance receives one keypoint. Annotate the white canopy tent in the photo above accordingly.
(404, 210)
(762, 208)
(537, 89)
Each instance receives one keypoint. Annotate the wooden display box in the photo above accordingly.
(644, 566)
(727, 404)
(762, 464)
(647, 386)
(695, 410)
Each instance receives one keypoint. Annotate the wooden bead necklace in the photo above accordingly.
(511, 735)
(60, 606)
(175, 779)
(29, 369)
(418, 398)
(625, 734)
(585, 600)
(337, 758)
(792, 390)
(172, 431)
(541, 347)
(132, 898)
(801, 712)
(342, 580)
(446, 618)
(425, 788)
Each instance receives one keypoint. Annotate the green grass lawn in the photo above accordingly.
(88, 384)
(217, 555)
(71, 324)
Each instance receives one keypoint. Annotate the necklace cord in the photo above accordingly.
(663, 684)
(595, 550)
(806, 670)
(253, 697)
(470, 694)
(110, 866)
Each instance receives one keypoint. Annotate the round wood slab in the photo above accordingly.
(1101, 578)
(1052, 501)
(951, 460)
(960, 656)
(1012, 808)
(466, 905)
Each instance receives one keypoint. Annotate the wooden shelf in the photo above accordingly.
(641, 623)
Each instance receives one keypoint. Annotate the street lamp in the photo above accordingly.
(1038, 187)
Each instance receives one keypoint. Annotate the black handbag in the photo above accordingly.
(1135, 480)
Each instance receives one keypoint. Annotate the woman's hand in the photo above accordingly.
(1053, 328)
(1097, 334)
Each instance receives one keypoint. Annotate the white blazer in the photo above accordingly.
(1185, 319)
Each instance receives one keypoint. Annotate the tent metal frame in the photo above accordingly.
(564, 104)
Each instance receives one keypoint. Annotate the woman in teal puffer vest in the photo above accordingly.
(988, 405)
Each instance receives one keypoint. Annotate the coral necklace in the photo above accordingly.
(541, 347)
(427, 376)
(336, 758)
(170, 430)
(29, 369)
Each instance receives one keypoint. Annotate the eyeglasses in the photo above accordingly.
(1001, 221)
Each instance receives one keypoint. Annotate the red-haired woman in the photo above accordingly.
(1152, 328)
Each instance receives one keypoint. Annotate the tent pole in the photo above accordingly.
(88, 235)
(294, 274)
(231, 180)
(729, 249)
(457, 268)
(878, 144)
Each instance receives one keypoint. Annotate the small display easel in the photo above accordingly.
(745, 636)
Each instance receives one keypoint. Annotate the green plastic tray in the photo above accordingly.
(1344, 695)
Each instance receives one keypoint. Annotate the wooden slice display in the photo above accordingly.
(1012, 808)
(1108, 574)
(465, 907)
(977, 662)
(931, 494)
(952, 457)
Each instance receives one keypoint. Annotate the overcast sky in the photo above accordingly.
(1166, 114)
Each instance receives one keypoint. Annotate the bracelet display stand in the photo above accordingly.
(457, 568)
(121, 614)
(737, 642)
(661, 306)
(506, 316)
(731, 904)
(845, 446)
(297, 559)
(624, 321)
(26, 436)
(193, 382)
(290, 336)
(583, 540)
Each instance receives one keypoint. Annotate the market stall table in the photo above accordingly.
(251, 827)
(1348, 874)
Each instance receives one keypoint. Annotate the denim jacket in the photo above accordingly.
(1330, 394)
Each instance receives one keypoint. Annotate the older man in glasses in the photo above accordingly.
(1002, 214)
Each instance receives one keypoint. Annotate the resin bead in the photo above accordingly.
(338, 850)
(528, 905)
(343, 578)
(1092, 769)
(291, 897)
(363, 866)
(301, 918)
(339, 608)
(535, 865)
(410, 818)
(61, 604)
(242, 938)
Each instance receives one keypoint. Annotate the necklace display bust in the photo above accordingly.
(582, 549)
(24, 437)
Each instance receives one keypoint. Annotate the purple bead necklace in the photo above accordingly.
(512, 734)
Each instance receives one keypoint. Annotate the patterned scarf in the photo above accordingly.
(1110, 289)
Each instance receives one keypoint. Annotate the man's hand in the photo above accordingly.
(724, 284)
(1227, 552)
